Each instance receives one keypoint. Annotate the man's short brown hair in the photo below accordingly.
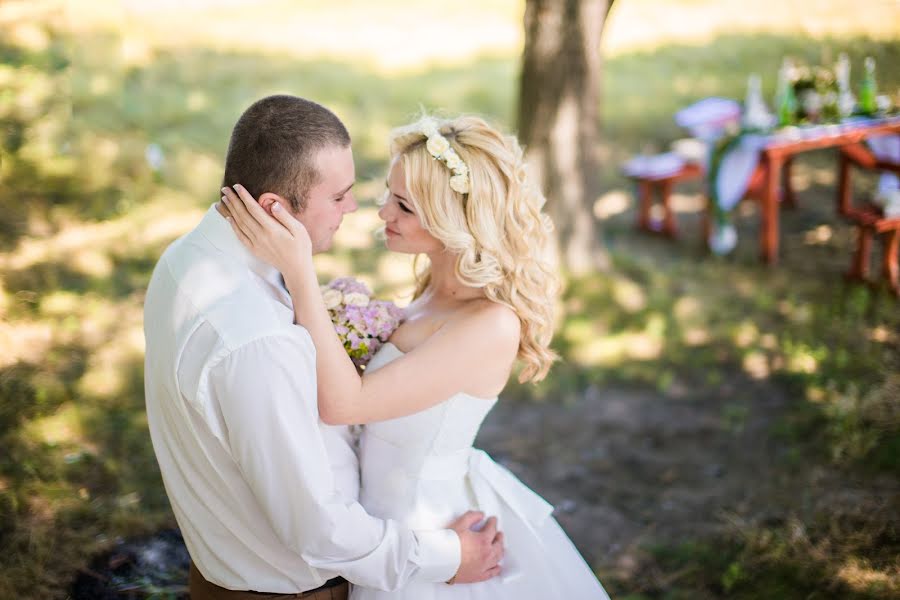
(274, 145)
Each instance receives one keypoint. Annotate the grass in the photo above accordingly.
(679, 325)
(85, 215)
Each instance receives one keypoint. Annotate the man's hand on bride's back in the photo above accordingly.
(277, 238)
(481, 550)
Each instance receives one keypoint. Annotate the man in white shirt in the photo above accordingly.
(264, 493)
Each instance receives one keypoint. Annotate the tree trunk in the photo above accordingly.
(558, 103)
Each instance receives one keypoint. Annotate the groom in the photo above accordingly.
(264, 494)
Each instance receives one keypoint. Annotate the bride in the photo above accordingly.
(458, 193)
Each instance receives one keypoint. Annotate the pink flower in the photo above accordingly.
(362, 327)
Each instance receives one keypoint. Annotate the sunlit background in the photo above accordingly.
(114, 120)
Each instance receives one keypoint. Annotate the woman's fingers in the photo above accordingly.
(237, 221)
(260, 223)
(237, 231)
(222, 206)
(276, 240)
(241, 213)
(252, 206)
(236, 210)
(287, 219)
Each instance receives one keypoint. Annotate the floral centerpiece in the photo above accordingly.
(817, 92)
(362, 323)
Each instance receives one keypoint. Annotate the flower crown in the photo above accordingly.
(439, 147)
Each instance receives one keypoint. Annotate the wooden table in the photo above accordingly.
(781, 150)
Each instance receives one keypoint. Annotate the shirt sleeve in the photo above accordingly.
(267, 393)
(341, 447)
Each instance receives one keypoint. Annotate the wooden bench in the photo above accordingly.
(662, 187)
(868, 218)
(870, 221)
(648, 186)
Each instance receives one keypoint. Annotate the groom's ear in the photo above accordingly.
(268, 199)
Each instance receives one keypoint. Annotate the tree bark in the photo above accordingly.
(557, 121)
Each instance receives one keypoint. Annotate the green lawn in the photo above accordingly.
(85, 216)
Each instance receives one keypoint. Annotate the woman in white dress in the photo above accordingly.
(458, 193)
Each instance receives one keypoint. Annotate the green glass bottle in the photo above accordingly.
(868, 90)
(785, 99)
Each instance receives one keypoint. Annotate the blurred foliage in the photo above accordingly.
(112, 147)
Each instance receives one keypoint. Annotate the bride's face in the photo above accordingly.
(402, 227)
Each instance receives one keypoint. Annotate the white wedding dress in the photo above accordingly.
(422, 470)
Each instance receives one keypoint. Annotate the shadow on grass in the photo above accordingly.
(72, 481)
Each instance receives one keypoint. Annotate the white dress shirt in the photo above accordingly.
(230, 387)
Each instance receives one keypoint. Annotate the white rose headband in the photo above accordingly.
(439, 147)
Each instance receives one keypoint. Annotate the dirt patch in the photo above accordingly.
(625, 466)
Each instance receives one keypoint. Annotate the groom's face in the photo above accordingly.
(330, 198)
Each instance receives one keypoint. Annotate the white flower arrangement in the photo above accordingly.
(439, 147)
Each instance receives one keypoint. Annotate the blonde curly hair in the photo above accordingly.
(501, 238)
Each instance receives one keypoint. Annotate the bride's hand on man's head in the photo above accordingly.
(277, 238)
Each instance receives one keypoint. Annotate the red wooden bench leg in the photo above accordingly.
(860, 268)
(668, 227)
(644, 202)
(891, 249)
(706, 224)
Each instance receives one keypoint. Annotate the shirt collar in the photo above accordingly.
(218, 231)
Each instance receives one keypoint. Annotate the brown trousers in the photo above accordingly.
(201, 589)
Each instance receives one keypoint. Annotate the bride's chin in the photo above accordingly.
(398, 248)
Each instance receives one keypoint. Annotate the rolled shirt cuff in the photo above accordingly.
(439, 555)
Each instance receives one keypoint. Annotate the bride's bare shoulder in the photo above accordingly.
(489, 322)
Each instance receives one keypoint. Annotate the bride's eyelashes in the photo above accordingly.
(401, 201)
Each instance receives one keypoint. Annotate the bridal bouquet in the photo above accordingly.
(362, 323)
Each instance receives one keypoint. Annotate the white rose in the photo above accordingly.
(437, 145)
(454, 162)
(332, 298)
(459, 183)
(429, 128)
(356, 299)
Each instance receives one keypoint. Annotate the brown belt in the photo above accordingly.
(201, 589)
